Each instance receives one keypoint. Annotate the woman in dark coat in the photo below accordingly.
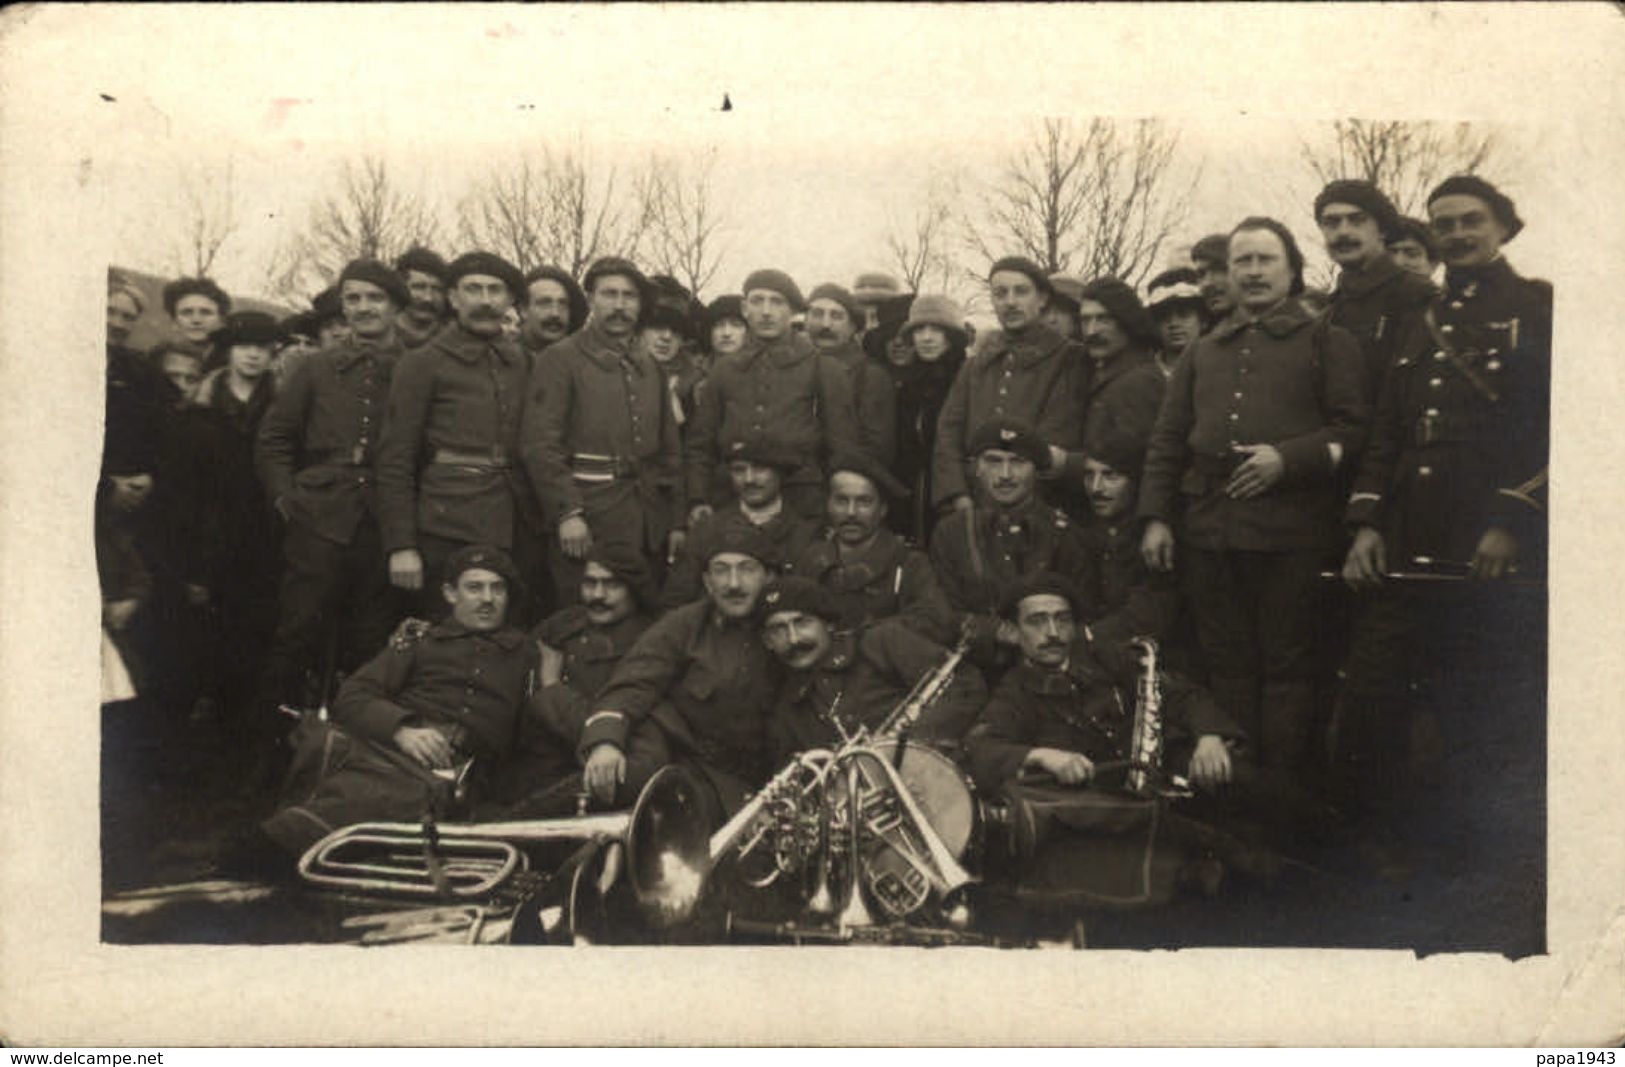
(920, 342)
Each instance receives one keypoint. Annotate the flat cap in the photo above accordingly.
(375, 273)
(1010, 435)
(482, 557)
(856, 461)
(491, 265)
(796, 593)
(775, 281)
(1472, 185)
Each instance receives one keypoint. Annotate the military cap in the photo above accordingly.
(1067, 290)
(1043, 583)
(799, 594)
(1212, 250)
(1363, 195)
(778, 282)
(423, 261)
(855, 461)
(325, 306)
(627, 564)
(873, 286)
(1123, 304)
(831, 291)
(1472, 185)
(1010, 435)
(205, 287)
(669, 306)
(572, 291)
(375, 273)
(483, 557)
(612, 265)
(1118, 446)
(762, 451)
(714, 538)
(246, 328)
(491, 265)
(1173, 289)
(1023, 265)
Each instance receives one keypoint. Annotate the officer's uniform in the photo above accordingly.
(600, 441)
(315, 454)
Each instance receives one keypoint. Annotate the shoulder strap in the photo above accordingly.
(1474, 378)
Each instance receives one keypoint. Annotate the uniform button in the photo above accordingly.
(1447, 328)
(1238, 394)
(1492, 352)
(1439, 356)
(1002, 390)
(1431, 413)
(1234, 417)
(1424, 471)
(1435, 382)
(1244, 370)
(1456, 304)
(1493, 364)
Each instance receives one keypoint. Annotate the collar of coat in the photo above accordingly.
(1282, 320)
(780, 353)
(1128, 359)
(607, 351)
(1476, 281)
(468, 348)
(883, 553)
(1031, 347)
(353, 349)
(449, 629)
(567, 624)
(1373, 276)
(1030, 515)
(838, 659)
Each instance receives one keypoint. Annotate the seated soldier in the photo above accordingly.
(841, 681)
(700, 674)
(443, 702)
(580, 646)
(983, 554)
(756, 469)
(1123, 598)
(873, 573)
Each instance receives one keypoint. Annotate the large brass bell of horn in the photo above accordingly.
(668, 847)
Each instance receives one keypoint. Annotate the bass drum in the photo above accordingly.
(943, 793)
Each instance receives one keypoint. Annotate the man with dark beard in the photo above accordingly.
(447, 461)
(424, 275)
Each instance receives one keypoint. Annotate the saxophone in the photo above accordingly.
(1145, 744)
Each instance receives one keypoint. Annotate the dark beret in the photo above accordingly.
(1023, 265)
(776, 281)
(572, 291)
(831, 291)
(423, 261)
(247, 328)
(1213, 249)
(627, 564)
(855, 461)
(325, 306)
(302, 324)
(183, 287)
(484, 557)
(713, 538)
(669, 306)
(1042, 583)
(608, 265)
(764, 451)
(1363, 195)
(1123, 304)
(731, 306)
(1472, 185)
(796, 593)
(375, 273)
(1010, 435)
(1117, 444)
(492, 265)
(1414, 229)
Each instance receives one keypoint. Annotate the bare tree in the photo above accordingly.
(1404, 159)
(553, 208)
(684, 219)
(371, 215)
(1092, 201)
(920, 242)
(209, 211)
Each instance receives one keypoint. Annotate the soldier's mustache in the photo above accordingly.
(802, 648)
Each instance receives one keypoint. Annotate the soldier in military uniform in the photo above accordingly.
(599, 440)
(556, 308)
(1125, 384)
(839, 680)
(983, 554)
(315, 454)
(833, 321)
(1375, 300)
(702, 675)
(447, 461)
(1454, 480)
(1026, 371)
(443, 702)
(424, 274)
(778, 385)
(757, 470)
(874, 573)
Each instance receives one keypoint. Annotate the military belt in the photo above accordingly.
(587, 467)
(495, 459)
(336, 457)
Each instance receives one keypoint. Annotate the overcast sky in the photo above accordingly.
(839, 113)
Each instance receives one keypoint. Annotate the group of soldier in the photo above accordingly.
(551, 537)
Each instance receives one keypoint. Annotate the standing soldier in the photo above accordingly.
(1374, 300)
(600, 440)
(447, 473)
(1210, 256)
(315, 455)
(1175, 304)
(1258, 417)
(556, 308)
(424, 275)
(778, 385)
(1414, 248)
(833, 321)
(1026, 371)
(1455, 477)
(1125, 386)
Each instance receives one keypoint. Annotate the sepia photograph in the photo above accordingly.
(679, 488)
